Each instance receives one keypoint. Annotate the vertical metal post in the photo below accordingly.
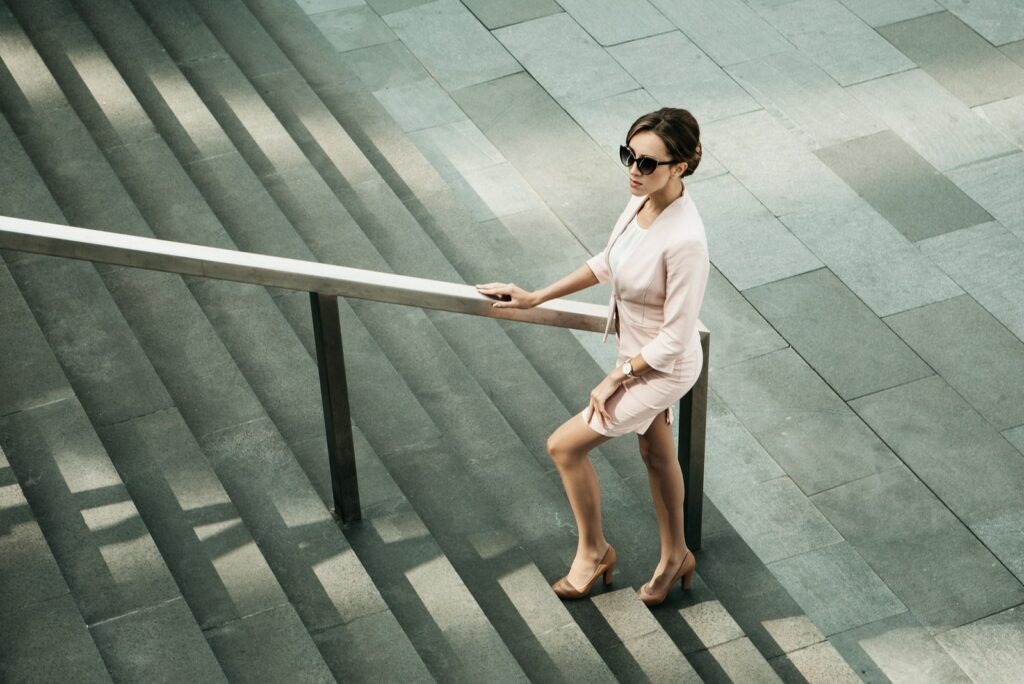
(693, 416)
(337, 418)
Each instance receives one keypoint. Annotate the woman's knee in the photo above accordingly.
(560, 450)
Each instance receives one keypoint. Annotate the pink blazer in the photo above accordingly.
(657, 292)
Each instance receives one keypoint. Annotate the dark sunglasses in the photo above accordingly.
(644, 164)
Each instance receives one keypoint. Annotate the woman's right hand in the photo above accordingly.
(520, 298)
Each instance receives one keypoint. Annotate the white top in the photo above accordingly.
(624, 246)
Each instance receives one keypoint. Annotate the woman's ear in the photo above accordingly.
(682, 168)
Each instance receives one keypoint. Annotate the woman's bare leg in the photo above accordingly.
(569, 447)
(658, 449)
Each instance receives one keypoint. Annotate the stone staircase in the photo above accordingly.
(165, 490)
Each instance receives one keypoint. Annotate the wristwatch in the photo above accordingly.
(627, 369)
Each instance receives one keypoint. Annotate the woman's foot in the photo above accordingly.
(584, 572)
(656, 591)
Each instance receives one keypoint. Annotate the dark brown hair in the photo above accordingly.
(678, 130)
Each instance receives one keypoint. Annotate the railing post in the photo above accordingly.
(337, 418)
(693, 416)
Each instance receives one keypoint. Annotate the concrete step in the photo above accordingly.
(110, 563)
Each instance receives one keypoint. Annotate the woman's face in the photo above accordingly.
(648, 143)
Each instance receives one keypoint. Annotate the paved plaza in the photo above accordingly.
(862, 187)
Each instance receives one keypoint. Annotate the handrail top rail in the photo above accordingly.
(294, 274)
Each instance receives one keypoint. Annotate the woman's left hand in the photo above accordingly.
(600, 394)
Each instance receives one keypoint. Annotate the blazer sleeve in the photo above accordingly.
(687, 266)
(599, 265)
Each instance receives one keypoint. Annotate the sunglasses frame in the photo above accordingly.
(628, 158)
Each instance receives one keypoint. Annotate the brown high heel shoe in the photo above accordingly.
(685, 572)
(564, 590)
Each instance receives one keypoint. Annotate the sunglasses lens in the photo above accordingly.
(625, 156)
(646, 165)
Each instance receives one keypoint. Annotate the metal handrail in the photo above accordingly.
(326, 282)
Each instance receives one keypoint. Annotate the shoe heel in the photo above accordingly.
(608, 575)
(687, 580)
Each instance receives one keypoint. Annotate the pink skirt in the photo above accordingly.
(640, 400)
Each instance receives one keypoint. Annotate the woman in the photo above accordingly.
(657, 261)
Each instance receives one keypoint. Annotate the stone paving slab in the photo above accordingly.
(818, 663)
(456, 49)
(46, 641)
(773, 164)
(800, 94)
(419, 105)
(973, 352)
(154, 643)
(986, 261)
(989, 649)
(702, 87)
(871, 257)
(881, 12)
(912, 195)
(353, 28)
(617, 21)
(564, 59)
(941, 128)
(991, 184)
(836, 588)
(734, 458)
(809, 431)
(381, 656)
(715, 25)
(837, 40)
(1006, 115)
(898, 649)
(999, 22)
(608, 120)
(838, 336)
(741, 333)
(954, 55)
(920, 549)
(967, 463)
(385, 65)
(748, 245)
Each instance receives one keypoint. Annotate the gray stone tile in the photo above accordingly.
(738, 331)
(742, 662)
(352, 28)
(1004, 537)
(837, 334)
(1006, 115)
(608, 120)
(773, 163)
(30, 374)
(992, 184)
(387, 65)
(800, 421)
(383, 7)
(711, 623)
(871, 257)
(973, 352)
(837, 40)
(999, 22)
(897, 649)
(702, 87)
(969, 465)
(1016, 437)
(503, 189)
(570, 65)
(452, 44)
(805, 98)
(164, 639)
(1014, 51)
(47, 641)
(919, 548)
(836, 588)
(611, 22)
(652, 657)
(727, 30)
(776, 519)
(989, 650)
(931, 120)
(916, 199)
(498, 13)
(954, 55)
(419, 105)
(31, 574)
(987, 262)
(384, 651)
(317, 6)
(822, 663)
(793, 632)
(881, 12)
(734, 458)
(459, 145)
(748, 245)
